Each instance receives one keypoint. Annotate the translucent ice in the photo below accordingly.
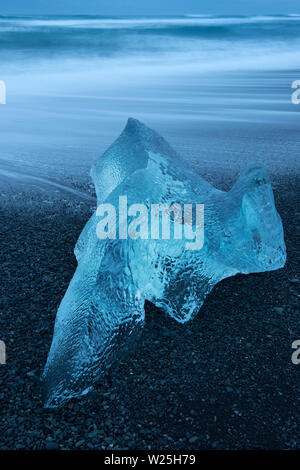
(102, 312)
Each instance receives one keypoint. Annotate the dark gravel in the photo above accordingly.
(223, 381)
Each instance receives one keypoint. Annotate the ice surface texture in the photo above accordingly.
(102, 313)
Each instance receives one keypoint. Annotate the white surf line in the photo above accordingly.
(38, 179)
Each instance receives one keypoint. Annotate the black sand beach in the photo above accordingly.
(223, 381)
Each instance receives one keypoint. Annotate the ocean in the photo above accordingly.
(218, 88)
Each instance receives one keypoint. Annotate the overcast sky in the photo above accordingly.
(148, 7)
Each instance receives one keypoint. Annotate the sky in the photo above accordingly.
(148, 7)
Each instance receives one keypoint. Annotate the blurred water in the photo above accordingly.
(218, 88)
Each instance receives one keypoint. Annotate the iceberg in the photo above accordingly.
(102, 313)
